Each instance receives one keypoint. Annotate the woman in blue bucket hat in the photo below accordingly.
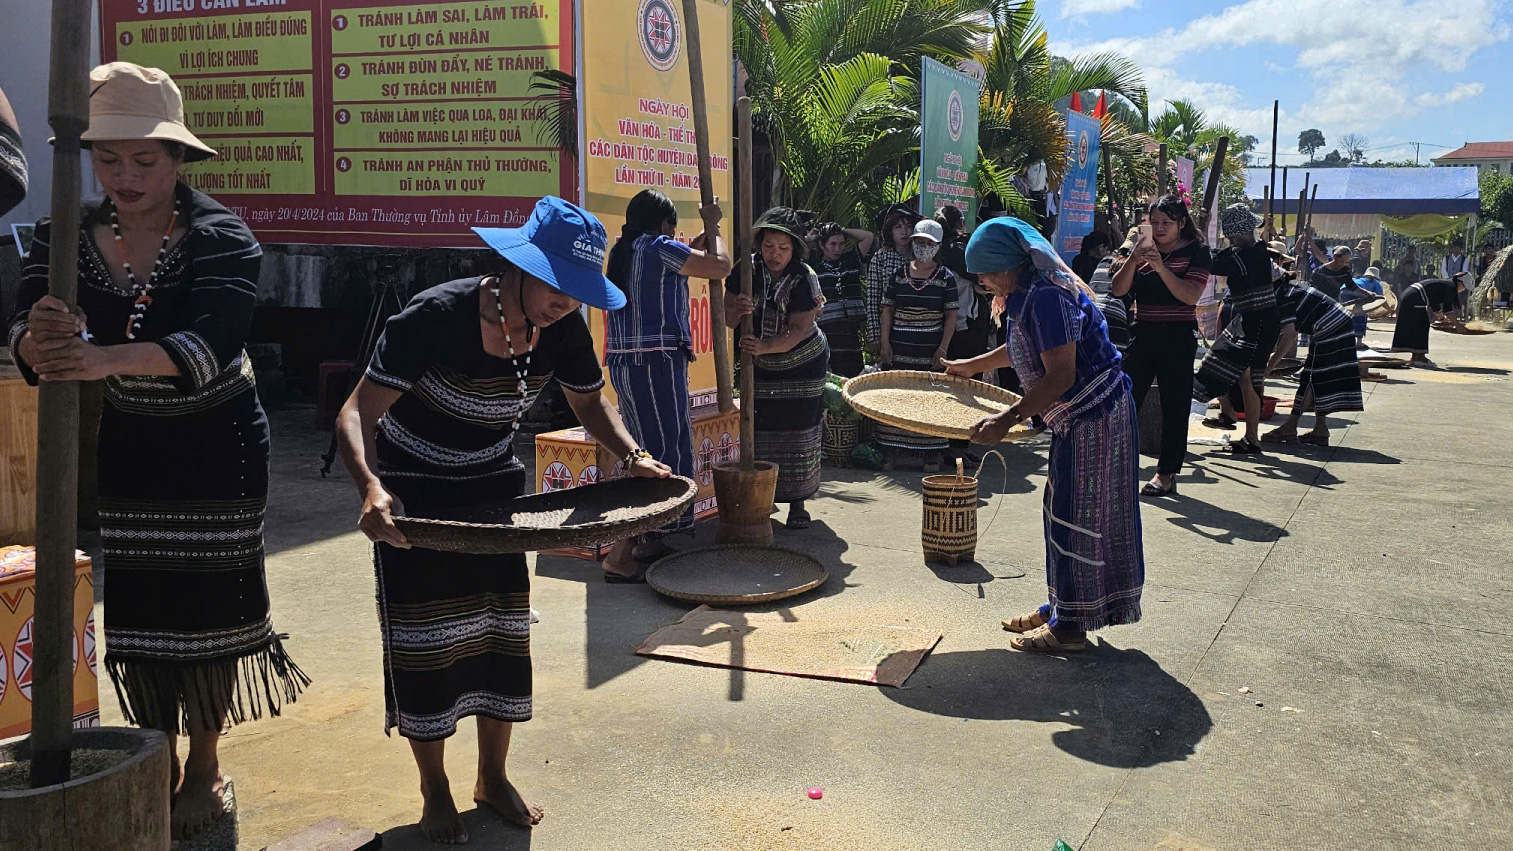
(430, 430)
(1058, 343)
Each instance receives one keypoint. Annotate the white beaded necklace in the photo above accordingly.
(520, 372)
(142, 292)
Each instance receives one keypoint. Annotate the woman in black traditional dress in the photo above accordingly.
(430, 431)
(791, 358)
(919, 322)
(1422, 305)
(167, 282)
(840, 276)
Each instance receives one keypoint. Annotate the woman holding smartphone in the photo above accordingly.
(1166, 274)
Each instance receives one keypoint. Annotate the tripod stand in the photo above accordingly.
(385, 270)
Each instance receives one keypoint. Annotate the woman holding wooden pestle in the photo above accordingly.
(167, 283)
(790, 355)
(1058, 343)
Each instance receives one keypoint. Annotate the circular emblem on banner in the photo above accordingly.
(1083, 144)
(956, 116)
(706, 462)
(661, 34)
(590, 475)
(556, 477)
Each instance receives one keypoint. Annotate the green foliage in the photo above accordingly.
(1496, 199)
(1310, 141)
(558, 108)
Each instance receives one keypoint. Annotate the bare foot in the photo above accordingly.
(197, 804)
(439, 820)
(501, 796)
(175, 775)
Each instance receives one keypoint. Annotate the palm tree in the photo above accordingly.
(834, 83)
(1188, 132)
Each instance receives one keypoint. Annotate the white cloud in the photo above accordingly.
(1366, 59)
(1083, 8)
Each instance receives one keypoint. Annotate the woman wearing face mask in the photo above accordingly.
(1166, 276)
(919, 320)
(167, 283)
(429, 432)
(649, 346)
(845, 313)
(895, 227)
(790, 355)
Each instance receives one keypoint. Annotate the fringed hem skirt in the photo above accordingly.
(789, 411)
(1332, 371)
(189, 643)
(456, 626)
(1095, 559)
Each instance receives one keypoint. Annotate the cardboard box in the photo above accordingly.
(17, 599)
(570, 458)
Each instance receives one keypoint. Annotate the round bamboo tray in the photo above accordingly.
(736, 574)
(1466, 330)
(575, 517)
(931, 403)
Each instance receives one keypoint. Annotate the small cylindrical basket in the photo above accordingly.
(841, 437)
(948, 530)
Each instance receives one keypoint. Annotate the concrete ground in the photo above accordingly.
(1362, 592)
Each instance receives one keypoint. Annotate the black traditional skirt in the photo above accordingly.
(1247, 342)
(790, 390)
(1413, 322)
(187, 633)
(456, 627)
(845, 336)
(1332, 371)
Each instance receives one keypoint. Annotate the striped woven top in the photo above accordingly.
(1248, 271)
(1155, 302)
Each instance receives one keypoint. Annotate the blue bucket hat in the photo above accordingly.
(563, 245)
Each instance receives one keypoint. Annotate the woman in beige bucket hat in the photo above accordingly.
(167, 283)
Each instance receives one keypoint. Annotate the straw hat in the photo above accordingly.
(127, 101)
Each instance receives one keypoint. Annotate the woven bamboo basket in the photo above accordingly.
(931, 403)
(948, 530)
(841, 436)
(736, 574)
(576, 517)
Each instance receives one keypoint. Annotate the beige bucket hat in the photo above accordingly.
(127, 101)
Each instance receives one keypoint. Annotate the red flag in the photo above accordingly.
(1101, 108)
(1076, 101)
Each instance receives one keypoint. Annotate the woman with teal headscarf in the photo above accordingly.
(1058, 343)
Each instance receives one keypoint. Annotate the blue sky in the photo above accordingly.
(1394, 71)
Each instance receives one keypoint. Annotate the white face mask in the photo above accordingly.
(926, 251)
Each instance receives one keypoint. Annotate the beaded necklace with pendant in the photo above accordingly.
(520, 371)
(142, 292)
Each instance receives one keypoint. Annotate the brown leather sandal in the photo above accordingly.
(1025, 623)
(1042, 640)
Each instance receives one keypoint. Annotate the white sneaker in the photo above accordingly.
(535, 616)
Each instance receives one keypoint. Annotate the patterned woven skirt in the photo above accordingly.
(456, 627)
(652, 388)
(1247, 342)
(187, 633)
(845, 336)
(1094, 550)
(789, 410)
(1333, 373)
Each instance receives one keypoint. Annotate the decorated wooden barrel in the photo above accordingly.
(949, 529)
(840, 438)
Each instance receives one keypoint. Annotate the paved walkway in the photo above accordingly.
(1362, 592)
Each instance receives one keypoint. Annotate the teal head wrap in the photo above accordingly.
(1008, 243)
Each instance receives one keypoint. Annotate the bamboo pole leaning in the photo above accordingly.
(745, 215)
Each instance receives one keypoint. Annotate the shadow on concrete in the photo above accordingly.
(485, 830)
(1117, 701)
(620, 617)
(1476, 370)
(1217, 524)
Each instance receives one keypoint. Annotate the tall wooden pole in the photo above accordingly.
(1211, 191)
(58, 414)
(1108, 189)
(1161, 171)
(745, 216)
(724, 383)
(1276, 114)
(1267, 226)
(1313, 197)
